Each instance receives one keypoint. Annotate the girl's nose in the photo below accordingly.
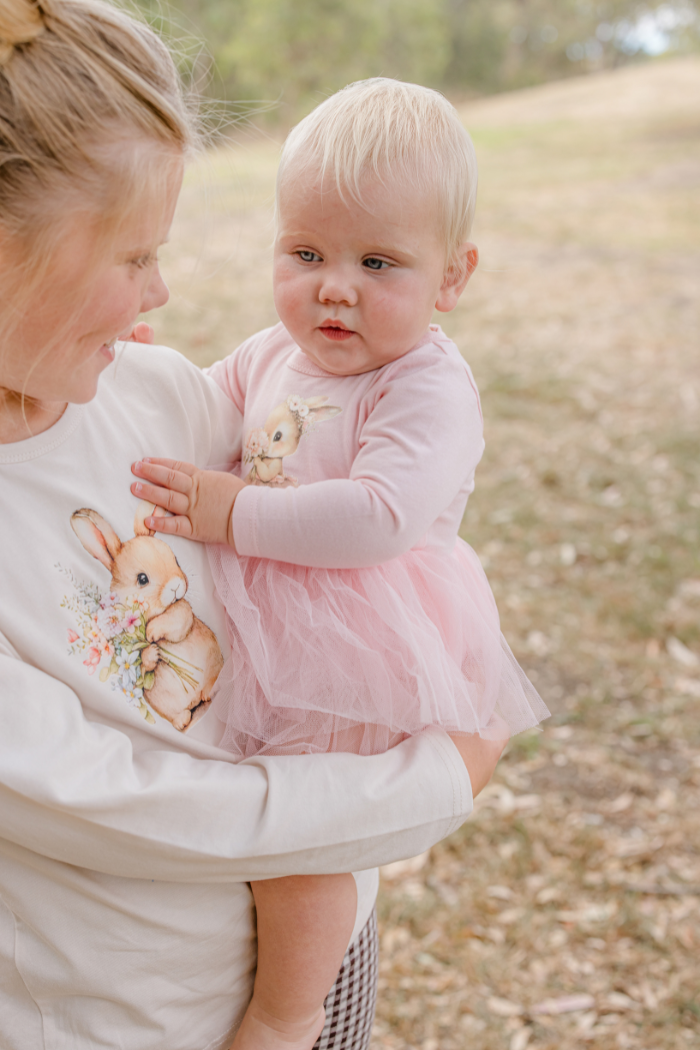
(156, 293)
(337, 287)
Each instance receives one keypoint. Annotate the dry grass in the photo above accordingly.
(579, 874)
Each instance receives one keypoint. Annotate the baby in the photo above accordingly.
(356, 614)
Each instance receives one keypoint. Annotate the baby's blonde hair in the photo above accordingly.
(390, 130)
(83, 89)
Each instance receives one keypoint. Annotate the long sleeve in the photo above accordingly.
(418, 448)
(75, 790)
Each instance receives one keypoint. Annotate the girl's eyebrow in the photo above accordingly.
(131, 253)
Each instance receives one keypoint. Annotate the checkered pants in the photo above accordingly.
(352, 1000)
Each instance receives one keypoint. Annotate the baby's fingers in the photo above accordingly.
(175, 502)
(168, 473)
(177, 525)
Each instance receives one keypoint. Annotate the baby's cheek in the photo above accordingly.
(291, 302)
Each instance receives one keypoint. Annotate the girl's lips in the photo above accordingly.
(338, 334)
(108, 350)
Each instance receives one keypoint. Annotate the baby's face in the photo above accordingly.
(356, 286)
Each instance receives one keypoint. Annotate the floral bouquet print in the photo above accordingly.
(110, 628)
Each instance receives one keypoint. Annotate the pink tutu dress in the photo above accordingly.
(356, 615)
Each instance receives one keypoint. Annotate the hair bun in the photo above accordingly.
(21, 21)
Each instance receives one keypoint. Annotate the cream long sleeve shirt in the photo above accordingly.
(126, 844)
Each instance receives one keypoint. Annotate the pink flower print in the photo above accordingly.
(93, 658)
(257, 444)
(107, 647)
(295, 403)
(72, 636)
(129, 622)
(303, 411)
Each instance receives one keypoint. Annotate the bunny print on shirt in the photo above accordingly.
(154, 648)
(284, 428)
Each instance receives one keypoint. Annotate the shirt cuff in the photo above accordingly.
(243, 520)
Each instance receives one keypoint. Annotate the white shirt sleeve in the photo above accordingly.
(74, 790)
(413, 462)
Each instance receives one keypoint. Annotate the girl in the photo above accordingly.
(356, 615)
(127, 843)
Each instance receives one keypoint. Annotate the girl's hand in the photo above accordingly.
(481, 756)
(200, 501)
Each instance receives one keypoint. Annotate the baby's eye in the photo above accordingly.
(374, 264)
(307, 256)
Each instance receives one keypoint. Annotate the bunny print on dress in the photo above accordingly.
(267, 446)
(159, 651)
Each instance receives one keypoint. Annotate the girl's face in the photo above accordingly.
(356, 286)
(90, 299)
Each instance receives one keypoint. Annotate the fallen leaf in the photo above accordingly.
(620, 1001)
(503, 1007)
(501, 893)
(520, 1039)
(566, 1004)
(681, 653)
(589, 913)
(621, 803)
(510, 915)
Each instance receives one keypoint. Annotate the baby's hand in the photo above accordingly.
(141, 333)
(200, 501)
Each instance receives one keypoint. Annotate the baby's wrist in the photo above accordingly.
(237, 486)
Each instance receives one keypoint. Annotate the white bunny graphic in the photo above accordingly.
(180, 658)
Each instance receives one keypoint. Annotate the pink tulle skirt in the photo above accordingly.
(359, 659)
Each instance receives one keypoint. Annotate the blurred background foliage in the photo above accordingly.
(291, 53)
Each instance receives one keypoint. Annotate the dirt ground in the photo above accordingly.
(567, 910)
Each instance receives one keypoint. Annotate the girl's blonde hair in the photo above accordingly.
(83, 89)
(390, 130)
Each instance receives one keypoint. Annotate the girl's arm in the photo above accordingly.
(75, 790)
(419, 448)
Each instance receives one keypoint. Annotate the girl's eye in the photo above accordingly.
(374, 264)
(143, 261)
(307, 256)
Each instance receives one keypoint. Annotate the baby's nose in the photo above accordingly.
(338, 287)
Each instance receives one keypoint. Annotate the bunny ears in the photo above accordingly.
(310, 410)
(99, 538)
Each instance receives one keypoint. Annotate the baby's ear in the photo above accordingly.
(96, 535)
(456, 276)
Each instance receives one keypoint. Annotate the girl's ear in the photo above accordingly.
(456, 276)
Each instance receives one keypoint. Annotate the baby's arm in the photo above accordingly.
(419, 446)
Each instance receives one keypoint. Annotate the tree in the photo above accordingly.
(295, 52)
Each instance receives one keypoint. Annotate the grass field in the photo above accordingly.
(579, 874)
